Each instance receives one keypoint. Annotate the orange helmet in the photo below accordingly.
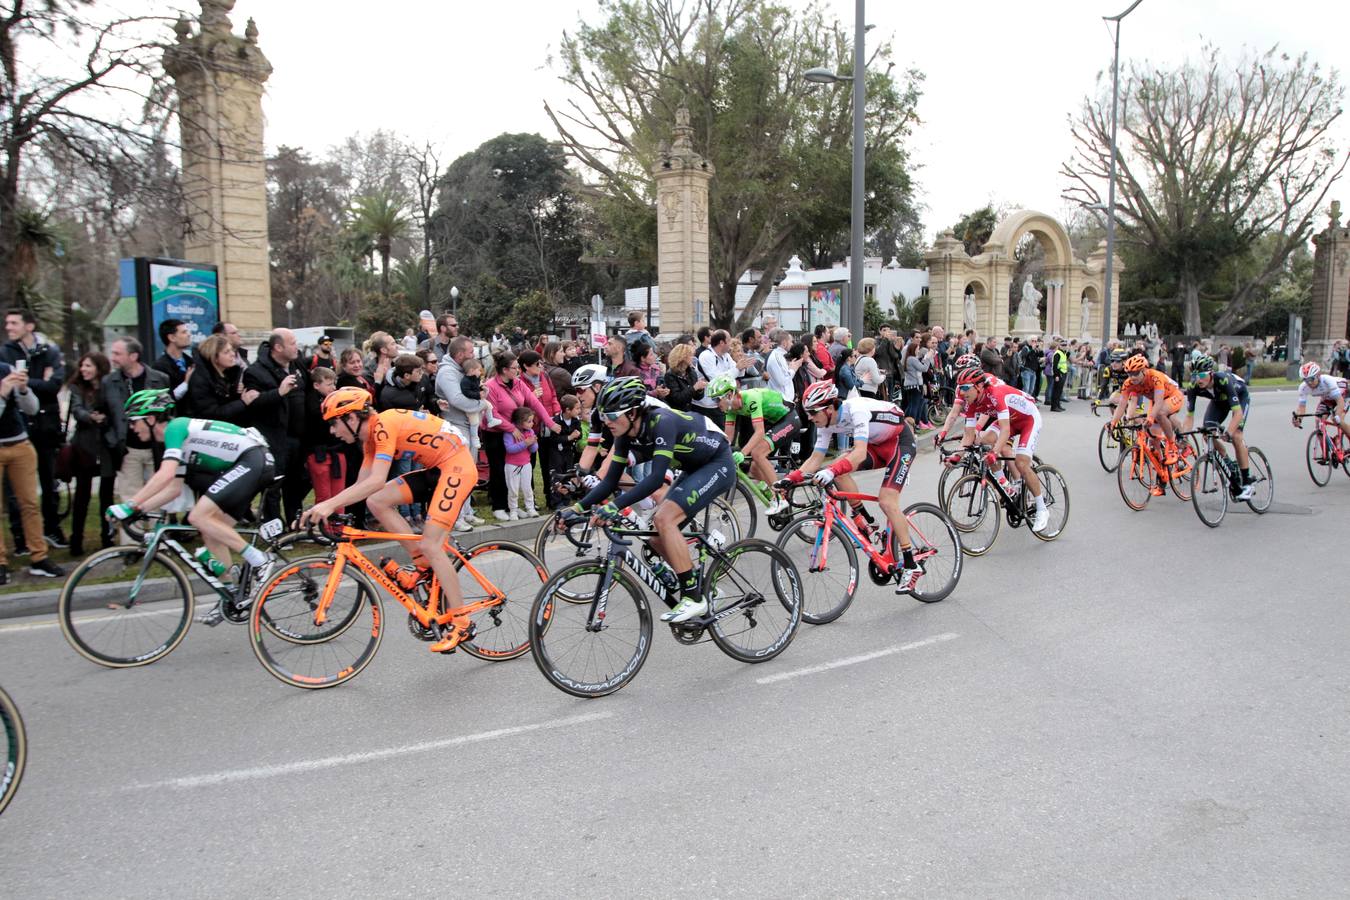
(1136, 363)
(345, 400)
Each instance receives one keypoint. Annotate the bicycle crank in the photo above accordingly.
(420, 631)
(687, 632)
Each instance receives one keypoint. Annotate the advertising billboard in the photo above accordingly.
(174, 289)
(826, 304)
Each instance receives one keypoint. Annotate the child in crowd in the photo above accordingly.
(326, 463)
(565, 446)
(472, 386)
(519, 472)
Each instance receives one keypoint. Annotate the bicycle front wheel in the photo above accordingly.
(937, 548)
(831, 586)
(1263, 484)
(1136, 478)
(16, 749)
(755, 598)
(1108, 449)
(745, 506)
(584, 661)
(115, 618)
(298, 648)
(1055, 492)
(1209, 491)
(1319, 462)
(501, 631)
(973, 509)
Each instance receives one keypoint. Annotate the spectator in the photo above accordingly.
(651, 371)
(573, 358)
(498, 343)
(518, 340)
(715, 360)
(569, 434)
(90, 413)
(871, 381)
(681, 380)
(280, 404)
(820, 351)
(778, 369)
(175, 362)
(534, 376)
(381, 350)
(637, 335)
(424, 325)
(887, 359)
(447, 329)
(1012, 362)
(840, 345)
(555, 367)
(324, 460)
(1085, 363)
(704, 336)
(616, 353)
(19, 468)
(751, 361)
(323, 354)
(235, 338)
(409, 342)
(1221, 358)
(402, 388)
(456, 406)
(1237, 358)
(990, 360)
(506, 391)
(471, 387)
(916, 363)
(427, 386)
(216, 387)
(46, 371)
(353, 374)
(1057, 364)
(131, 459)
(521, 445)
(811, 362)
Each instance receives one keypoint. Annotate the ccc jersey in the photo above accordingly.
(868, 420)
(205, 445)
(681, 438)
(402, 434)
(1153, 382)
(762, 403)
(1225, 389)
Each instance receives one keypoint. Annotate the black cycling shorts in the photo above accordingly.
(1217, 412)
(695, 489)
(234, 489)
(780, 433)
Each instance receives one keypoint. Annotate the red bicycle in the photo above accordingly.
(1328, 447)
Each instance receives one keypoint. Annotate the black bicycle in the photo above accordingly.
(1216, 480)
(16, 749)
(591, 625)
(974, 501)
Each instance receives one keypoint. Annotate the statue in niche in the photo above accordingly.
(971, 313)
(1084, 315)
(1031, 298)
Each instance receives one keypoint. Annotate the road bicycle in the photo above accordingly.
(974, 502)
(1113, 440)
(831, 530)
(1328, 447)
(131, 605)
(591, 624)
(1143, 468)
(308, 596)
(16, 749)
(969, 464)
(1216, 479)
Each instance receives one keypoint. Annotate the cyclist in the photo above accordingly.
(443, 476)
(226, 466)
(668, 439)
(587, 381)
(882, 439)
(772, 425)
(1113, 377)
(1329, 391)
(1016, 414)
(986, 427)
(1227, 393)
(1164, 402)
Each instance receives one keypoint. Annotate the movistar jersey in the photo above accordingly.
(682, 438)
(205, 445)
(762, 403)
(1225, 389)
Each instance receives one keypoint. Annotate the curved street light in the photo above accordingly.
(1111, 180)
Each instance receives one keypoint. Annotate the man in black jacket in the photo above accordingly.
(46, 373)
(129, 462)
(175, 362)
(279, 413)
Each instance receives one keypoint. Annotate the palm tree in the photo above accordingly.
(382, 219)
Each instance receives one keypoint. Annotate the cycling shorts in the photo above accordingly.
(894, 457)
(234, 489)
(1327, 410)
(780, 433)
(695, 489)
(1216, 412)
(443, 489)
(1172, 403)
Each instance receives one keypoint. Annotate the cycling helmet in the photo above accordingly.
(818, 395)
(966, 360)
(719, 387)
(973, 375)
(149, 402)
(1136, 364)
(1202, 367)
(620, 395)
(345, 400)
(1117, 356)
(590, 375)
(1310, 371)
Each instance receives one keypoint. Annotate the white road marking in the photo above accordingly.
(854, 660)
(53, 622)
(352, 759)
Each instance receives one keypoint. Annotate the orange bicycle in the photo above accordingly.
(318, 621)
(1143, 468)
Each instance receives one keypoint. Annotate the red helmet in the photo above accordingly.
(972, 376)
(818, 395)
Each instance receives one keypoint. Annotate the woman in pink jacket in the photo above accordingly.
(506, 390)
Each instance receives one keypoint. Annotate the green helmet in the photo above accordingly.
(1201, 367)
(621, 395)
(720, 387)
(149, 402)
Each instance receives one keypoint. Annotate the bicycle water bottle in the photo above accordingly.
(664, 573)
(999, 475)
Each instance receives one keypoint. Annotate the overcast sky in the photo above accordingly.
(1002, 77)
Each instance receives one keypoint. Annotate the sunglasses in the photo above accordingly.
(615, 416)
(965, 387)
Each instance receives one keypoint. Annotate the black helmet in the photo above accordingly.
(621, 395)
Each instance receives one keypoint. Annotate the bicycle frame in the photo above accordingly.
(162, 536)
(882, 557)
(1331, 436)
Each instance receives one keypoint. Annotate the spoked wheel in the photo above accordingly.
(1055, 491)
(745, 506)
(723, 519)
(1180, 477)
(973, 508)
(1319, 460)
(15, 746)
(1136, 478)
(829, 589)
(584, 662)
(115, 618)
(1108, 448)
(503, 631)
(311, 648)
(949, 476)
(1209, 491)
(1263, 485)
(937, 548)
(754, 600)
(555, 551)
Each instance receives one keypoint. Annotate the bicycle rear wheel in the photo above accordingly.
(503, 631)
(579, 661)
(1180, 478)
(1263, 485)
(1108, 449)
(1055, 491)
(828, 591)
(1209, 490)
(937, 547)
(755, 600)
(974, 511)
(15, 748)
(949, 476)
(1319, 460)
(1136, 478)
(105, 626)
(301, 652)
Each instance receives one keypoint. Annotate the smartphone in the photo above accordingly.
(21, 365)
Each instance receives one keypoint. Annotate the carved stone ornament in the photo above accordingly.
(216, 16)
(700, 220)
(670, 205)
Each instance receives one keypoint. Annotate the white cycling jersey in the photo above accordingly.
(1327, 388)
(868, 420)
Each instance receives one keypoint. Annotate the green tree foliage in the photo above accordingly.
(380, 219)
(305, 210)
(533, 312)
(781, 146)
(974, 228)
(1215, 159)
(873, 315)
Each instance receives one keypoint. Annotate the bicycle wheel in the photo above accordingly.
(1263, 488)
(295, 649)
(102, 622)
(16, 749)
(830, 590)
(1108, 449)
(1136, 478)
(973, 508)
(755, 599)
(555, 551)
(1319, 460)
(1209, 490)
(503, 631)
(1055, 491)
(937, 547)
(722, 518)
(1180, 479)
(948, 477)
(746, 507)
(575, 659)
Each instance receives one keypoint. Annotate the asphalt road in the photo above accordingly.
(1146, 707)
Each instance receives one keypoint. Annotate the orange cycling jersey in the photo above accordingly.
(416, 437)
(1153, 381)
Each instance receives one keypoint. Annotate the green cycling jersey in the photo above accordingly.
(205, 445)
(762, 403)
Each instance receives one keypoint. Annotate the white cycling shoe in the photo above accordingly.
(777, 506)
(1246, 492)
(1040, 520)
(685, 610)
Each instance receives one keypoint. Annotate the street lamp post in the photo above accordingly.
(1111, 181)
(853, 315)
(290, 319)
(454, 302)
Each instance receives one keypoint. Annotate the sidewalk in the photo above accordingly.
(43, 602)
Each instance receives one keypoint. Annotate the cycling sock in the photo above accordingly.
(1040, 501)
(254, 557)
(907, 557)
(860, 510)
(1247, 476)
(689, 584)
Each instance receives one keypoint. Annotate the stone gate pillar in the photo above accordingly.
(1330, 289)
(682, 178)
(220, 78)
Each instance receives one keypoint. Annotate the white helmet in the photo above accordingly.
(1310, 371)
(589, 375)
